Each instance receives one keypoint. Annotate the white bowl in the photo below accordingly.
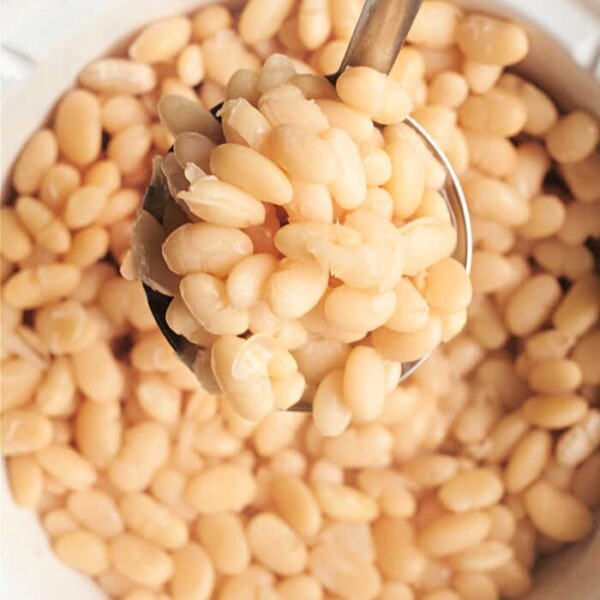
(68, 36)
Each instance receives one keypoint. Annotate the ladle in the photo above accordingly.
(377, 39)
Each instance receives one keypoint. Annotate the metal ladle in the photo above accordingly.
(377, 39)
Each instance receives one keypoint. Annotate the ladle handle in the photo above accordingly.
(380, 34)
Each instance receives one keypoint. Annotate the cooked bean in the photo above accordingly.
(223, 538)
(83, 551)
(471, 490)
(161, 41)
(38, 155)
(96, 511)
(78, 127)
(580, 308)
(555, 411)
(68, 466)
(527, 460)
(260, 20)
(491, 41)
(193, 574)
(557, 514)
(573, 137)
(576, 444)
(24, 432)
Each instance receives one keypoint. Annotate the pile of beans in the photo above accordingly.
(310, 230)
(483, 461)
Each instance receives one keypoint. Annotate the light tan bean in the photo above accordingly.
(435, 25)
(486, 556)
(497, 111)
(223, 537)
(448, 89)
(152, 521)
(98, 431)
(78, 128)
(161, 41)
(527, 460)
(580, 307)
(15, 242)
(471, 490)
(491, 153)
(34, 287)
(26, 481)
(555, 411)
(412, 311)
(83, 551)
(193, 574)
(118, 76)
(24, 432)
(88, 246)
(582, 177)
(220, 488)
(144, 450)
(576, 444)
(447, 286)
(67, 466)
(364, 383)
(142, 562)
(37, 157)
(555, 376)
(349, 185)
(586, 482)
(215, 249)
(453, 533)
(330, 414)
(129, 147)
(381, 97)
(84, 206)
(557, 514)
(346, 504)
(96, 511)
(491, 41)
(258, 23)
(546, 217)
(244, 124)
(481, 77)
(251, 172)
(49, 232)
(531, 304)
(405, 347)
(573, 137)
(97, 373)
(275, 545)
(182, 115)
(210, 19)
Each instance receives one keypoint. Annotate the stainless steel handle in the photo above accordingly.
(380, 33)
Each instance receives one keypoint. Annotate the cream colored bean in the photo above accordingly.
(246, 281)
(302, 153)
(311, 203)
(431, 470)
(330, 414)
(122, 111)
(447, 286)
(118, 76)
(295, 502)
(527, 460)
(448, 89)
(181, 115)
(24, 432)
(31, 288)
(471, 490)
(435, 25)
(531, 304)
(576, 444)
(376, 94)
(88, 246)
(573, 137)
(349, 185)
(555, 376)
(481, 77)
(406, 347)
(67, 466)
(412, 311)
(98, 431)
(492, 199)
(221, 203)
(243, 84)
(84, 206)
(251, 172)
(580, 307)
(142, 562)
(220, 488)
(557, 514)
(497, 111)
(204, 247)
(244, 124)
(454, 533)
(258, 23)
(355, 123)
(555, 411)
(364, 383)
(40, 222)
(26, 481)
(490, 272)
(193, 574)
(582, 178)
(295, 288)
(491, 41)
(275, 545)
(486, 556)
(97, 373)
(426, 241)
(505, 434)
(161, 41)
(83, 551)
(314, 23)
(78, 128)
(346, 504)
(190, 147)
(155, 523)
(530, 169)
(104, 173)
(205, 297)
(210, 19)
(223, 537)
(491, 153)
(300, 587)
(129, 147)
(440, 123)
(37, 157)
(546, 217)
(15, 242)
(358, 310)
(96, 511)
(144, 450)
